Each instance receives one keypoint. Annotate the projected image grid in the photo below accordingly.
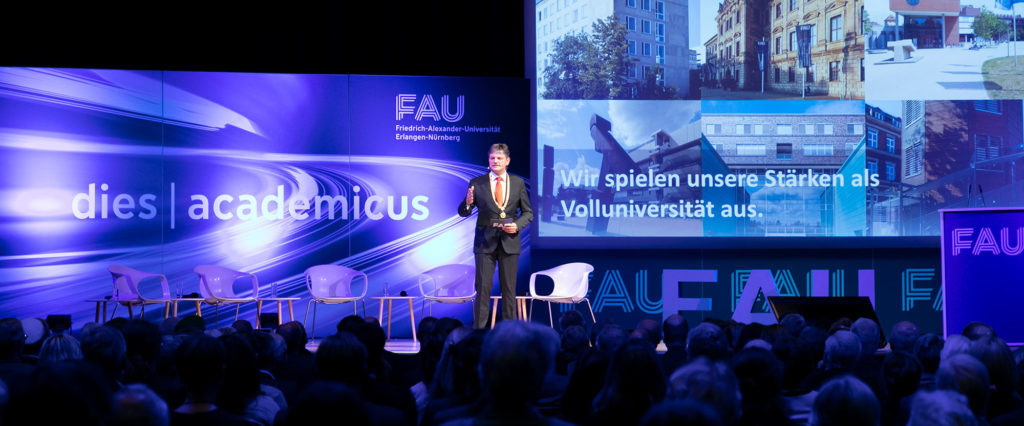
(782, 142)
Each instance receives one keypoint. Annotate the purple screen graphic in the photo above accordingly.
(264, 173)
(982, 259)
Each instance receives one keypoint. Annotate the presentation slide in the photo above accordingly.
(767, 119)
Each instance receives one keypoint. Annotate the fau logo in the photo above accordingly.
(964, 240)
(404, 105)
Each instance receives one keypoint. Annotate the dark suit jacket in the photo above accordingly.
(518, 208)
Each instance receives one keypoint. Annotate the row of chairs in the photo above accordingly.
(333, 284)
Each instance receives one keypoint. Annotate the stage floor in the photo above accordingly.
(398, 346)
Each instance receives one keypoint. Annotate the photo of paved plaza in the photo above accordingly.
(943, 49)
(951, 73)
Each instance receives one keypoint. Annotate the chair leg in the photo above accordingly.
(131, 313)
(216, 315)
(592, 318)
(113, 312)
(529, 318)
(551, 317)
(305, 318)
(364, 306)
(355, 309)
(238, 306)
(312, 330)
(143, 314)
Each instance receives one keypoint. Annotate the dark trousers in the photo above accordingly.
(507, 268)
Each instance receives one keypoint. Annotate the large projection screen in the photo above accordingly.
(766, 123)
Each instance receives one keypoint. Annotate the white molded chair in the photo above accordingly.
(216, 286)
(453, 283)
(126, 290)
(572, 281)
(332, 284)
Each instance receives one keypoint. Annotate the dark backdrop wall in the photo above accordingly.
(450, 38)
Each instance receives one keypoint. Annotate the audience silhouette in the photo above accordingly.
(132, 372)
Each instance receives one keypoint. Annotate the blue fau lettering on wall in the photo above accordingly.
(733, 284)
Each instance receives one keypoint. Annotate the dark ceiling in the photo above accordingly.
(456, 38)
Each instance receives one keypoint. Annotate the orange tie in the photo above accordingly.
(499, 196)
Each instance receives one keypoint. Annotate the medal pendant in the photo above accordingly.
(502, 215)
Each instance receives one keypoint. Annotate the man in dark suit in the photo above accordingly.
(504, 210)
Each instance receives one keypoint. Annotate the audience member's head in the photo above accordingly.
(373, 338)
(242, 326)
(105, 348)
(137, 405)
(574, 340)
(940, 408)
(675, 328)
(845, 400)
(598, 328)
(707, 339)
(431, 346)
(442, 386)
(842, 349)
(793, 323)
(760, 376)
(903, 336)
(928, 350)
(747, 333)
(142, 339)
(902, 374)
(515, 359)
(709, 382)
(424, 328)
(200, 363)
(460, 361)
(263, 345)
(188, 325)
(798, 360)
(840, 324)
(813, 338)
(759, 373)
(634, 381)
(774, 332)
(569, 319)
(445, 325)
(241, 374)
(1002, 371)
(682, 412)
(60, 347)
(294, 334)
(867, 331)
(327, 396)
(61, 394)
(342, 358)
(965, 374)
(12, 338)
(954, 344)
(610, 339)
(168, 324)
(351, 323)
(977, 330)
(653, 330)
(758, 343)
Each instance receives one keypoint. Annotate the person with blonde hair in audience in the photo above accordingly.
(59, 348)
